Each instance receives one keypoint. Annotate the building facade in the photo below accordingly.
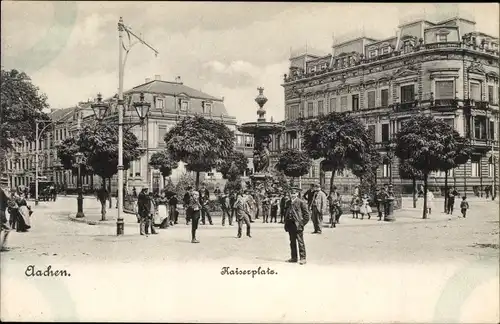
(445, 69)
(170, 102)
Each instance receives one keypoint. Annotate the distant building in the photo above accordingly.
(170, 102)
(444, 68)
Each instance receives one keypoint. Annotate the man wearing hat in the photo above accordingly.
(4, 200)
(318, 206)
(144, 206)
(296, 217)
(242, 210)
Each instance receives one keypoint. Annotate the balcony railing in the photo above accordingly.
(477, 104)
(404, 106)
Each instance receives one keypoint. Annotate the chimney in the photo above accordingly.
(178, 79)
(147, 80)
(158, 77)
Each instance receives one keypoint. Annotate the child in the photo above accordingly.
(355, 207)
(464, 205)
(365, 207)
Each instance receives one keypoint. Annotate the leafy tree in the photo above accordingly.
(407, 171)
(366, 171)
(169, 186)
(294, 163)
(21, 104)
(233, 166)
(422, 142)
(164, 162)
(201, 143)
(99, 145)
(340, 139)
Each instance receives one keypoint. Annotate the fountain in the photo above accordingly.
(262, 131)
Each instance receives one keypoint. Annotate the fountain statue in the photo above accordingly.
(261, 131)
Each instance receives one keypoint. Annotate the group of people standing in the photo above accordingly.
(14, 214)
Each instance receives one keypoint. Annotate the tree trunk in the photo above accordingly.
(331, 180)
(414, 183)
(110, 201)
(164, 183)
(197, 180)
(103, 202)
(424, 215)
(292, 181)
(445, 190)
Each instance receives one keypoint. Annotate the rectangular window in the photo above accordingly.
(355, 102)
(343, 103)
(384, 97)
(372, 54)
(475, 166)
(162, 130)
(491, 95)
(480, 127)
(492, 130)
(385, 170)
(442, 38)
(207, 108)
(385, 132)
(310, 109)
(137, 168)
(407, 93)
(444, 90)
(491, 166)
(302, 112)
(184, 105)
(159, 103)
(475, 91)
(333, 104)
(294, 110)
(385, 50)
(320, 108)
(371, 132)
(371, 99)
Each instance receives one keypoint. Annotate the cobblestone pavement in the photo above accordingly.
(410, 239)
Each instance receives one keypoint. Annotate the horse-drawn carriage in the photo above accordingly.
(45, 190)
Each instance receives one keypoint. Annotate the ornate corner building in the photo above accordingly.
(446, 69)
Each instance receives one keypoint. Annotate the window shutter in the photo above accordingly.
(475, 92)
(444, 90)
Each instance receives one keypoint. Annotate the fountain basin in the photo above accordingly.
(261, 127)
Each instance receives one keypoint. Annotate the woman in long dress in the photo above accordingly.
(365, 208)
(430, 201)
(163, 218)
(20, 213)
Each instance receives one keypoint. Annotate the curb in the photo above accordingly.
(84, 220)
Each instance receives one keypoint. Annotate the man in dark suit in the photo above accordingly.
(144, 210)
(296, 217)
(204, 201)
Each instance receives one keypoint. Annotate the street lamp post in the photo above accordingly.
(79, 161)
(100, 110)
(391, 147)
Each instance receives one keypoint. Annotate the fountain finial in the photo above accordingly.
(261, 101)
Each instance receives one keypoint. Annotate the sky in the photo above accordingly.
(70, 49)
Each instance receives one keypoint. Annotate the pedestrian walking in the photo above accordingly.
(430, 201)
(172, 208)
(334, 206)
(451, 200)
(266, 209)
(243, 211)
(296, 218)
(382, 196)
(275, 204)
(365, 208)
(464, 205)
(185, 200)
(194, 208)
(144, 205)
(164, 217)
(355, 204)
(283, 202)
(317, 207)
(204, 201)
(308, 196)
(225, 205)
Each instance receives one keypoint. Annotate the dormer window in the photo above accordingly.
(159, 103)
(184, 105)
(372, 53)
(206, 107)
(442, 38)
(407, 46)
(323, 66)
(312, 70)
(385, 50)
